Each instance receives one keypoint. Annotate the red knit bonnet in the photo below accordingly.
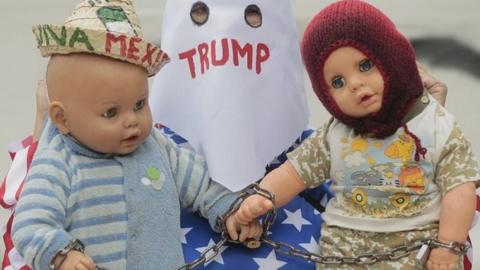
(357, 24)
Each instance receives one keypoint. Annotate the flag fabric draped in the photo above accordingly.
(298, 223)
(22, 155)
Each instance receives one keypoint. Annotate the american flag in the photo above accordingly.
(298, 223)
(21, 154)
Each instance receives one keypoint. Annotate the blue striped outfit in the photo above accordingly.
(125, 209)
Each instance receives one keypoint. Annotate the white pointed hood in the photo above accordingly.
(234, 91)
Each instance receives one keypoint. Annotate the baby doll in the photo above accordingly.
(104, 188)
(401, 167)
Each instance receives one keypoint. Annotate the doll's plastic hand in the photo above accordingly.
(251, 208)
(435, 87)
(42, 101)
(251, 230)
(442, 258)
(76, 260)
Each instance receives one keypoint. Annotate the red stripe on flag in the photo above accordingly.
(478, 202)
(19, 190)
(31, 152)
(467, 265)
(28, 141)
(5, 261)
(3, 188)
(12, 155)
(7, 240)
(24, 143)
(158, 126)
(14, 190)
(7, 236)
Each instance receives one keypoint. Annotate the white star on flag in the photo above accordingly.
(296, 219)
(218, 258)
(184, 234)
(312, 247)
(269, 263)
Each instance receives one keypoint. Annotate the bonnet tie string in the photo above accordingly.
(419, 149)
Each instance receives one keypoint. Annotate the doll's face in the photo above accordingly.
(354, 82)
(105, 102)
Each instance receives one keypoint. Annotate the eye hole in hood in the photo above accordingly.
(253, 16)
(199, 13)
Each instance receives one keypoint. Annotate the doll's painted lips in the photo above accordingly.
(131, 140)
(366, 100)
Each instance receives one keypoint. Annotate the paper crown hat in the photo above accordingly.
(105, 27)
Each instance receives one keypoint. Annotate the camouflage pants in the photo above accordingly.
(337, 241)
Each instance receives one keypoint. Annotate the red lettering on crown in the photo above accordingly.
(149, 54)
(112, 38)
(132, 49)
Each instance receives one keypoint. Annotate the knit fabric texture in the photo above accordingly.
(354, 23)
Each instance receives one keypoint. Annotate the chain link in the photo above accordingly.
(245, 193)
(364, 259)
(455, 247)
(206, 256)
(289, 250)
(210, 253)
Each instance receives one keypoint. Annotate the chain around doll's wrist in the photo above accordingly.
(74, 244)
(453, 246)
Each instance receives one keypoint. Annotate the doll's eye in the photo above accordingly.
(112, 112)
(199, 13)
(140, 104)
(338, 82)
(253, 16)
(365, 65)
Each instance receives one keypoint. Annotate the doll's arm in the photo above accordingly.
(307, 166)
(284, 182)
(458, 210)
(40, 213)
(435, 87)
(197, 192)
(456, 216)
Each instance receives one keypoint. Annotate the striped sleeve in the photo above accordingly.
(197, 192)
(38, 231)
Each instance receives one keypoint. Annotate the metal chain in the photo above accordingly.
(364, 259)
(206, 256)
(210, 253)
(289, 250)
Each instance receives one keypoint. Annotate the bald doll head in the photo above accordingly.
(101, 102)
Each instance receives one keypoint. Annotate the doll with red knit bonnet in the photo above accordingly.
(402, 170)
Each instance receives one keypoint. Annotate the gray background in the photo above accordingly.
(446, 34)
